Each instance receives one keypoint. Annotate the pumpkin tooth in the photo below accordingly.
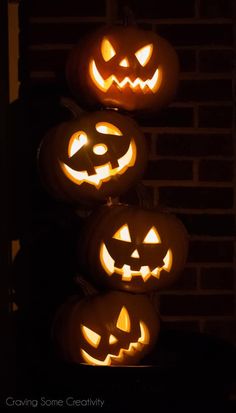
(145, 272)
(105, 84)
(168, 261)
(131, 350)
(156, 272)
(153, 81)
(126, 273)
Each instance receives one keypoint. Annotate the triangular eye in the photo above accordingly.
(123, 234)
(108, 51)
(107, 128)
(123, 322)
(152, 237)
(90, 335)
(77, 140)
(143, 55)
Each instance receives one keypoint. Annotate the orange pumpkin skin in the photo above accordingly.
(132, 249)
(86, 62)
(73, 172)
(101, 314)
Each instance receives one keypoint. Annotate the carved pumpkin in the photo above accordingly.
(124, 67)
(110, 329)
(100, 155)
(137, 250)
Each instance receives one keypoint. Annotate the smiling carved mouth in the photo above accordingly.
(103, 172)
(119, 358)
(127, 273)
(104, 84)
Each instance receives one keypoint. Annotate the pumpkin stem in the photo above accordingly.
(128, 16)
(88, 289)
(70, 104)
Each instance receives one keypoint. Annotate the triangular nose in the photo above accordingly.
(124, 62)
(135, 254)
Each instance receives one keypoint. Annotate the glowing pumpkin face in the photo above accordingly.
(95, 157)
(135, 250)
(124, 67)
(110, 329)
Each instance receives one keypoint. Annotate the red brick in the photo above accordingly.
(166, 9)
(194, 144)
(216, 170)
(169, 169)
(215, 116)
(199, 198)
(47, 59)
(205, 90)
(216, 61)
(187, 60)
(211, 251)
(217, 278)
(140, 194)
(181, 325)
(187, 280)
(226, 329)
(62, 8)
(197, 305)
(216, 8)
(197, 34)
(65, 33)
(148, 139)
(209, 224)
(169, 117)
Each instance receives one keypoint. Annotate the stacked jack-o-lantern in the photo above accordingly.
(127, 250)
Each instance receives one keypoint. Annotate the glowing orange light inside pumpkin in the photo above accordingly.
(77, 141)
(100, 149)
(127, 273)
(144, 339)
(152, 237)
(107, 128)
(90, 335)
(143, 55)
(108, 51)
(123, 322)
(104, 84)
(112, 339)
(123, 234)
(124, 63)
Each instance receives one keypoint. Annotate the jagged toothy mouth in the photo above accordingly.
(149, 85)
(119, 358)
(108, 264)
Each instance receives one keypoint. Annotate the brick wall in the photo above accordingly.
(191, 167)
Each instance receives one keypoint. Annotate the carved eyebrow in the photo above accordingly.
(107, 128)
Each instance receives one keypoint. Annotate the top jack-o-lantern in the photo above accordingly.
(92, 158)
(124, 67)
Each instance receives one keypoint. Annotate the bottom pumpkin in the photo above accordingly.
(113, 328)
